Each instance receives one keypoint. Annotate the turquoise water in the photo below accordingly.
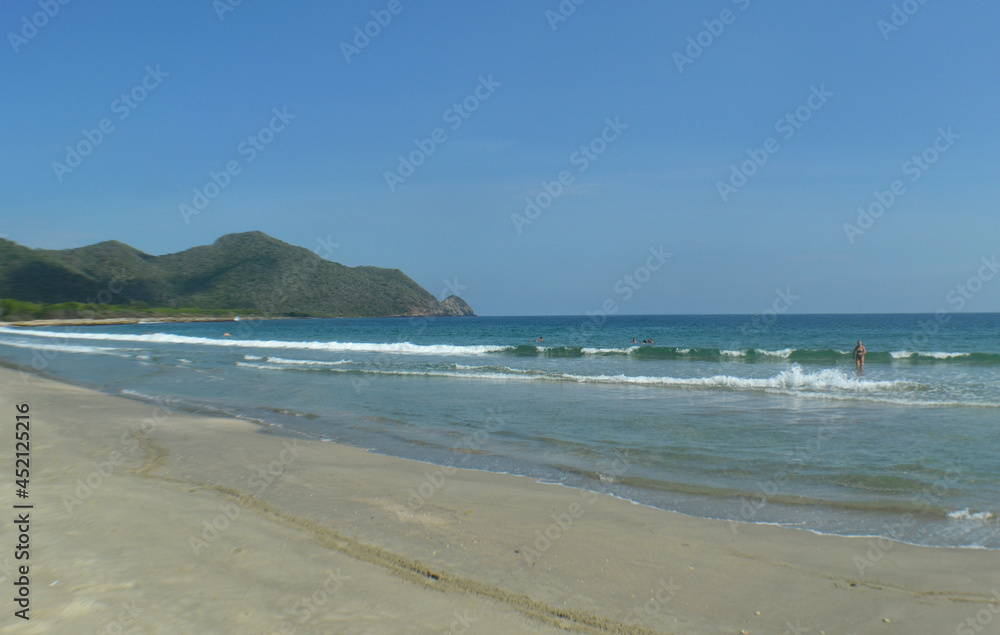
(750, 419)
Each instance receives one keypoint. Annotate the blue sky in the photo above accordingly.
(868, 86)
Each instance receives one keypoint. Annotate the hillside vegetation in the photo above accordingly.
(249, 273)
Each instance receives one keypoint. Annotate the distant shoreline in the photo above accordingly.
(179, 319)
(126, 320)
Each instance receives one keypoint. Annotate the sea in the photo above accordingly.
(748, 419)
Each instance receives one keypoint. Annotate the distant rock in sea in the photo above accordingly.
(454, 305)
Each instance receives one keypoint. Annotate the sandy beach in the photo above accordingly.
(152, 520)
(120, 320)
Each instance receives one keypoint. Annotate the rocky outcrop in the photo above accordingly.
(454, 305)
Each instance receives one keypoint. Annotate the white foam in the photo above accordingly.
(66, 348)
(505, 368)
(792, 379)
(607, 351)
(406, 373)
(783, 353)
(965, 514)
(362, 347)
(734, 353)
(935, 354)
(304, 362)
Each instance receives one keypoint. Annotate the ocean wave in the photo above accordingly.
(68, 348)
(793, 379)
(397, 372)
(639, 352)
(823, 383)
(501, 369)
(965, 514)
(361, 347)
(930, 355)
(783, 353)
(589, 350)
(304, 362)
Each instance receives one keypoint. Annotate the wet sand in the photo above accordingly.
(161, 521)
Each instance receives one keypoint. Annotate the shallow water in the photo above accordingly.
(752, 419)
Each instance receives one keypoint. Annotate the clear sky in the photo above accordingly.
(699, 175)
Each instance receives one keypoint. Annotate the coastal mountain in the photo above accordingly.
(249, 271)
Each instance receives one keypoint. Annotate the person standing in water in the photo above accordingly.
(859, 354)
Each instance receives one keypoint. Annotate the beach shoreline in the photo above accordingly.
(122, 320)
(206, 523)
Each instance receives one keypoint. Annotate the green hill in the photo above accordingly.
(250, 272)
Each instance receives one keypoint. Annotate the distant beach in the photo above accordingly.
(121, 320)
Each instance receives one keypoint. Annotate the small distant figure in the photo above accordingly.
(859, 353)
(539, 339)
(650, 341)
(643, 341)
(225, 335)
(633, 340)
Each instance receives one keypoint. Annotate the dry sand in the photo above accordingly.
(316, 537)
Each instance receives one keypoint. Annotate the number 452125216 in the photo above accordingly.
(22, 436)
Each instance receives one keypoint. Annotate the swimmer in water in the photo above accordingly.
(859, 353)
